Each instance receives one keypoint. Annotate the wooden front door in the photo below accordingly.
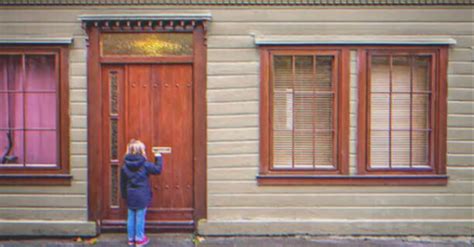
(151, 103)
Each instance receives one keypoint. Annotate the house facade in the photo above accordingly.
(273, 117)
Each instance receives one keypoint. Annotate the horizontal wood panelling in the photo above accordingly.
(234, 161)
(43, 213)
(460, 68)
(228, 95)
(76, 188)
(43, 200)
(236, 147)
(455, 120)
(238, 134)
(232, 187)
(249, 173)
(232, 68)
(324, 227)
(78, 95)
(460, 81)
(247, 120)
(457, 107)
(348, 213)
(461, 159)
(461, 94)
(340, 200)
(232, 81)
(78, 122)
(78, 82)
(461, 134)
(232, 55)
(232, 108)
(460, 147)
(337, 28)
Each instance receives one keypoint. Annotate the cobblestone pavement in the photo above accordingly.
(188, 240)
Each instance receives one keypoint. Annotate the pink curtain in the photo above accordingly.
(28, 107)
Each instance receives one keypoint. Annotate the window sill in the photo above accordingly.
(352, 180)
(35, 179)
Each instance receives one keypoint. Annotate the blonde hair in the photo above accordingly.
(136, 147)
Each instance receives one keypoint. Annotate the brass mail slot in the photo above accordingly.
(163, 150)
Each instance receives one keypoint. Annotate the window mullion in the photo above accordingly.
(23, 96)
(411, 111)
(313, 153)
(390, 61)
(293, 71)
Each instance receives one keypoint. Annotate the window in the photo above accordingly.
(401, 114)
(304, 111)
(399, 125)
(33, 105)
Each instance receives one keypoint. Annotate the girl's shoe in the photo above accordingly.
(131, 242)
(143, 242)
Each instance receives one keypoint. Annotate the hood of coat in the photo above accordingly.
(134, 161)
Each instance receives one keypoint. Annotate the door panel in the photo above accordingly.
(154, 106)
(172, 125)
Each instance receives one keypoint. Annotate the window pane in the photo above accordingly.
(304, 80)
(421, 110)
(282, 71)
(401, 74)
(282, 149)
(379, 111)
(41, 110)
(421, 74)
(283, 93)
(41, 148)
(324, 72)
(420, 148)
(40, 72)
(323, 149)
(11, 141)
(304, 149)
(401, 149)
(10, 72)
(401, 111)
(379, 149)
(147, 44)
(380, 74)
(304, 110)
(324, 112)
(11, 111)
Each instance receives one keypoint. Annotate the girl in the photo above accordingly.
(136, 190)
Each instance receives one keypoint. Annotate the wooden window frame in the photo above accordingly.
(59, 175)
(438, 177)
(438, 110)
(341, 113)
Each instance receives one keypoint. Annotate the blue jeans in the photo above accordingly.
(136, 224)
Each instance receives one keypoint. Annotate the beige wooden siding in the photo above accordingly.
(55, 203)
(235, 202)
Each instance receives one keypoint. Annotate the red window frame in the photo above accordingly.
(340, 110)
(60, 174)
(437, 114)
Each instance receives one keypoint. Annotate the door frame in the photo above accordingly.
(197, 26)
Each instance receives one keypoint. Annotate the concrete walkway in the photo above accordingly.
(188, 240)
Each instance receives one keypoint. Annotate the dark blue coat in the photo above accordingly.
(134, 183)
